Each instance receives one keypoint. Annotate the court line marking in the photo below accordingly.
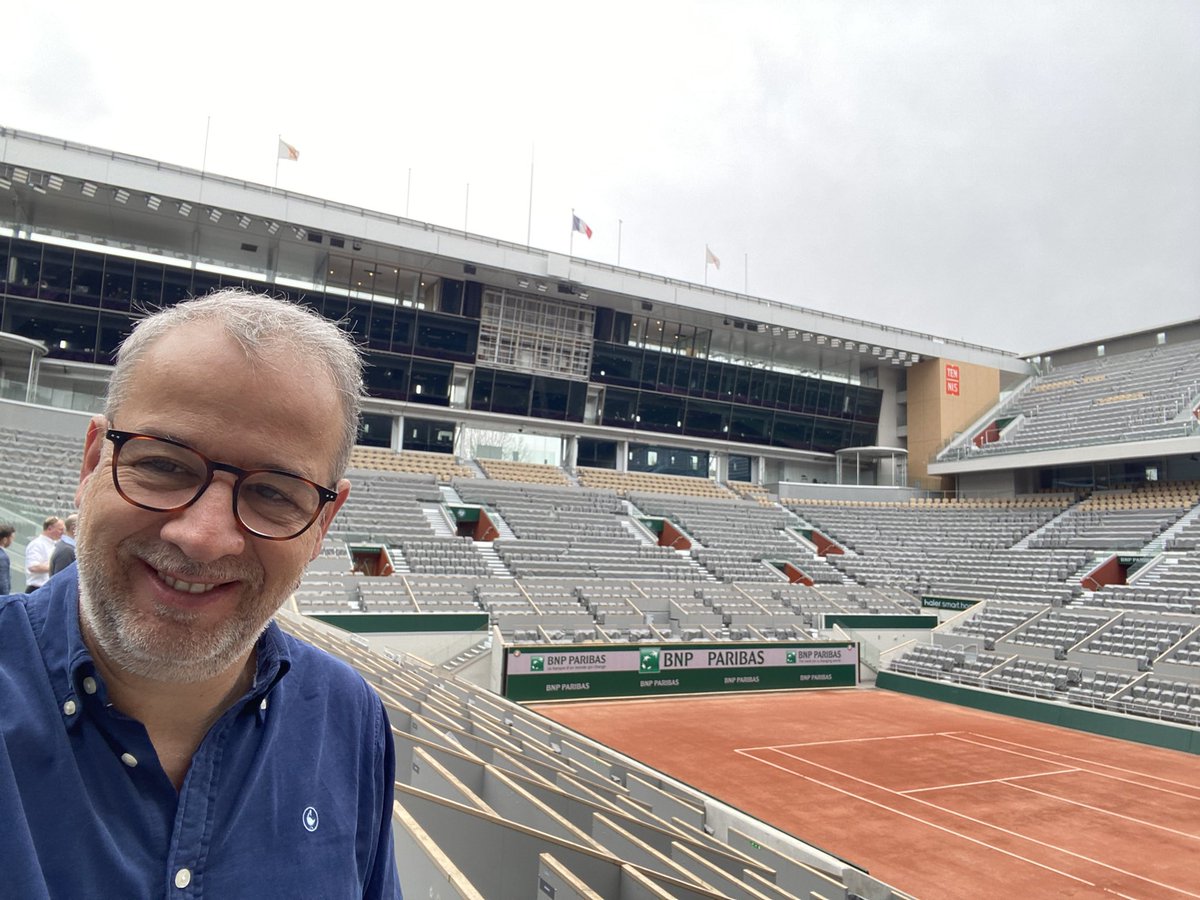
(1004, 780)
(857, 740)
(1109, 812)
(1086, 762)
(934, 825)
(999, 828)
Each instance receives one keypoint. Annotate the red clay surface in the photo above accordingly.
(936, 800)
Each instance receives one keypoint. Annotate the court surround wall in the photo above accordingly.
(1093, 721)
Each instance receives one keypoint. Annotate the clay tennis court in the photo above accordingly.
(937, 800)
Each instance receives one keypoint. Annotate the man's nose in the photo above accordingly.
(207, 530)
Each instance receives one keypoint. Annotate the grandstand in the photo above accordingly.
(558, 455)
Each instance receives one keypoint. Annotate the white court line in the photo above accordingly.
(1007, 831)
(944, 787)
(1086, 762)
(857, 740)
(949, 831)
(1108, 812)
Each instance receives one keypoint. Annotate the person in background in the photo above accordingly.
(160, 735)
(6, 538)
(64, 550)
(38, 553)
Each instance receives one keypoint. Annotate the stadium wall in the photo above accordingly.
(31, 417)
(1078, 718)
(944, 397)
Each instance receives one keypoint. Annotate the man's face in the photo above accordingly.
(55, 531)
(182, 596)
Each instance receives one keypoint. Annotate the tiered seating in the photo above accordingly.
(623, 483)
(1162, 698)
(531, 473)
(738, 537)
(992, 621)
(442, 556)
(563, 816)
(1129, 397)
(1119, 520)
(572, 532)
(40, 472)
(387, 508)
(1059, 629)
(945, 664)
(442, 466)
(1053, 680)
(755, 492)
(1138, 637)
(957, 549)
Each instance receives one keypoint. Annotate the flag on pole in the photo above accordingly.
(710, 258)
(287, 151)
(577, 224)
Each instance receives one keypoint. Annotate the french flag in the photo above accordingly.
(577, 224)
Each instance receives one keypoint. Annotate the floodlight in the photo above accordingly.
(54, 182)
(153, 202)
(121, 195)
(87, 189)
(185, 209)
(214, 215)
(272, 227)
(243, 221)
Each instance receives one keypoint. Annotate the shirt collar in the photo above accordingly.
(54, 615)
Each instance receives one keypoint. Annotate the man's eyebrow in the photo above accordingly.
(287, 469)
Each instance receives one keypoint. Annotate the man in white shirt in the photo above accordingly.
(38, 553)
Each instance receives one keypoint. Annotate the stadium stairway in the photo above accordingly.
(438, 520)
(1023, 543)
(1159, 544)
(495, 565)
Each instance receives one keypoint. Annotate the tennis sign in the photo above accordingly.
(548, 672)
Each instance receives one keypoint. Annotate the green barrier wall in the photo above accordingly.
(1080, 718)
(572, 672)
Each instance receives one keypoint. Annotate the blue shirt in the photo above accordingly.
(289, 794)
(5, 572)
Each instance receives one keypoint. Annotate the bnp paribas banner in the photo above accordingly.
(548, 672)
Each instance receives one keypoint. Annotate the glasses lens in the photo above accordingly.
(158, 475)
(277, 505)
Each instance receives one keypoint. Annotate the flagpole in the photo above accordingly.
(746, 273)
(529, 218)
(204, 158)
(572, 250)
(619, 224)
(706, 265)
(276, 185)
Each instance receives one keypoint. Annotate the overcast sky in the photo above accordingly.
(1016, 173)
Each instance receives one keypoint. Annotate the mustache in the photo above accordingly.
(166, 557)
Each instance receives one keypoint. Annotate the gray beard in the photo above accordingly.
(160, 645)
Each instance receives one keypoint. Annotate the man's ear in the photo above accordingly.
(326, 518)
(93, 449)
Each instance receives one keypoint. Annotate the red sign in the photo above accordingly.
(952, 379)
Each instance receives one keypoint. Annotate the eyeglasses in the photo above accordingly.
(165, 476)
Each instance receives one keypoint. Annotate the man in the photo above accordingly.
(39, 551)
(6, 538)
(160, 736)
(64, 550)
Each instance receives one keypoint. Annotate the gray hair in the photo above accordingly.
(256, 322)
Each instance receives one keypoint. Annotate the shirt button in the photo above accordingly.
(69, 708)
(183, 878)
(89, 685)
(130, 760)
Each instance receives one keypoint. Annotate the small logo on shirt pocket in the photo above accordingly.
(310, 819)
